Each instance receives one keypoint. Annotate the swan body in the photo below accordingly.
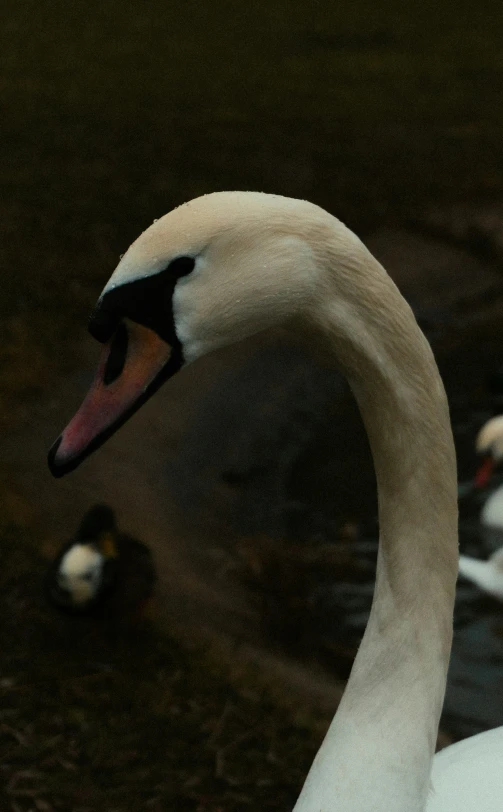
(222, 268)
(468, 775)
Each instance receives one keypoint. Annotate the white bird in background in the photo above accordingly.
(489, 444)
(488, 575)
(222, 268)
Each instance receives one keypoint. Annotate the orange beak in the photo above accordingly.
(484, 472)
(133, 364)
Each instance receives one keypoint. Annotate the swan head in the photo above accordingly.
(210, 273)
(489, 445)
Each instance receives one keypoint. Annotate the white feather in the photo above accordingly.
(80, 572)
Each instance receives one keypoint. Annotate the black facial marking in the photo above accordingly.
(147, 301)
(117, 356)
(181, 266)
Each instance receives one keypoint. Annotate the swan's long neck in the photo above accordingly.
(377, 754)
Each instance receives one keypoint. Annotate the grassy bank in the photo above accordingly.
(94, 718)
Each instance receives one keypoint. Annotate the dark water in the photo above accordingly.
(293, 463)
(474, 697)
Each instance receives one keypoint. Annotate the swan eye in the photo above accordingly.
(181, 266)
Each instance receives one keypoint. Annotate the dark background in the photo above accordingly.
(248, 475)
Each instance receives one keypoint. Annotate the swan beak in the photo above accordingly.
(484, 472)
(133, 364)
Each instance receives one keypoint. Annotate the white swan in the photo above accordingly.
(222, 268)
(489, 444)
(488, 575)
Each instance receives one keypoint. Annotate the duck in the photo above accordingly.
(222, 268)
(101, 571)
(489, 446)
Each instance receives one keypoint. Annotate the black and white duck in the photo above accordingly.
(101, 570)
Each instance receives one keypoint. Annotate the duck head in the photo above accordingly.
(209, 273)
